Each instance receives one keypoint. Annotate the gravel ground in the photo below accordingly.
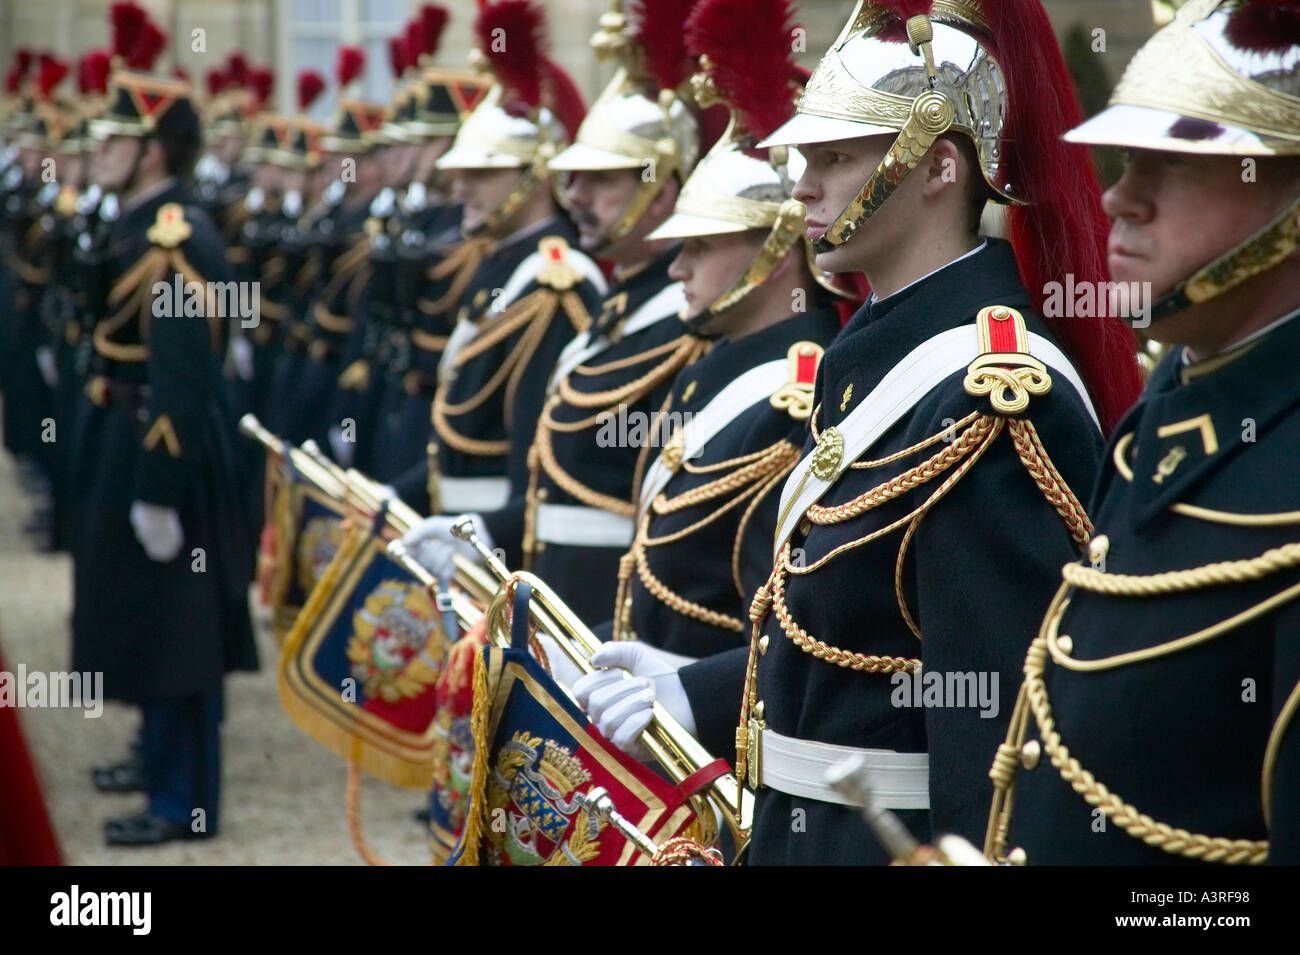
(282, 793)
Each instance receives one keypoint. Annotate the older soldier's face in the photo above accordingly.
(111, 167)
(1173, 213)
(597, 200)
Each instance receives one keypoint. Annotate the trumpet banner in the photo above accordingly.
(535, 752)
(303, 532)
(453, 759)
(359, 670)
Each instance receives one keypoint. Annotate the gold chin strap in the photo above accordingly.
(931, 116)
(1266, 249)
(784, 234)
(534, 176)
(666, 164)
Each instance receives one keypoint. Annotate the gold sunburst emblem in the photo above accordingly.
(828, 453)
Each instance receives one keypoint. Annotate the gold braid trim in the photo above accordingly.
(1040, 467)
(753, 475)
(1177, 581)
(134, 293)
(464, 262)
(545, 459)
(1160, 835)
(476, 809)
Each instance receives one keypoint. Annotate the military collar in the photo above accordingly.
(883, 332)
(142, 210)
(699, 382)
(1196, 369)
(631, 290)
(1186, 427)
(881, 304)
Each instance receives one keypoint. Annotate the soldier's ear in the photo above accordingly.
(944, 167)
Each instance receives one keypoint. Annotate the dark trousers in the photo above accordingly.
(180, 743)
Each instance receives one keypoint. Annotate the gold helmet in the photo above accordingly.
(528, 114)
(640, 121)
(1223, 78)
(737, 187)
(943, 77)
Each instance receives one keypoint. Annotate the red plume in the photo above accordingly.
(217, 81)
(397, 54)
(749, 45)
(1063, 230)
(237, 69)
(92, 73)
(127, 20)
(23, 60)
(350, 64)
(148, 45)
(49, 75)
(310, 85)
(433, 20)
(512, 34)
(262, 80)
(1264, 26)
(657, 27)
(565, 99)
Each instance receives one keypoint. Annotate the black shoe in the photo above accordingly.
(145, 829)
(421, 816)
(124, 777)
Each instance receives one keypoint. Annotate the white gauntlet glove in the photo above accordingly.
(431, 544)
(620, 701)
(158, 529)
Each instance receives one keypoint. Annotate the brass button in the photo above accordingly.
(1030, 753)
(763, 641)
(1017, 856)
(1065, 644)
(758, 710)
(541, 493)
(1098, 547)
(1000, 314)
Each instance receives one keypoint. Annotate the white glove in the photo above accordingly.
(431, 544)
(240, 355)
(620, 701)
(344, 451)
(563, 670)
(158, 529)
(49, 368)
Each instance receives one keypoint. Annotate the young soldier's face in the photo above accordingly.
(834, 175)
(709, 265)
(597, 200)
(483, 192)
(1173, 213)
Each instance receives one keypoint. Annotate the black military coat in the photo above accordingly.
(978, 571)
(1203, 470)
(598, 423)
(717, 552)
(485, 412)
(152, 427)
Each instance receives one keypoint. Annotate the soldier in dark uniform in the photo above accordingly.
(914, 528)
(1157, 724)
(602, 410)
(526, 301)
(707, 508)
(428, 244)
(163, 551)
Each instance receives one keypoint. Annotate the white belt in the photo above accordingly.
(582, 526)
(457, 495)
(798, 767)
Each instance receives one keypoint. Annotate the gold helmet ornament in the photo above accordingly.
(746, 53)
(529, 113)
(641, 121)
(1222, 79)
(989, 72)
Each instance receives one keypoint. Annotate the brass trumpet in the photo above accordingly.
(674, 749)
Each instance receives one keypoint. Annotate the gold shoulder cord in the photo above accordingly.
(1033, 695)
(1009, 379)
(536, 311)
(674, 356)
